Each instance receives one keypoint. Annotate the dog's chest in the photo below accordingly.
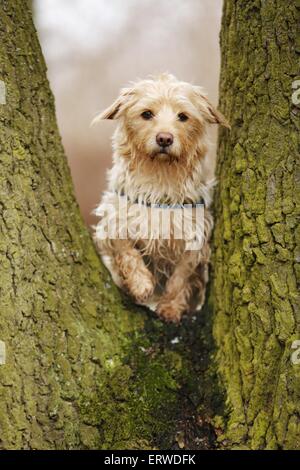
(166, 232)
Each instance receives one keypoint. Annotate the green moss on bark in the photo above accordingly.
(84, 369)
(256, 290)
(164, 387)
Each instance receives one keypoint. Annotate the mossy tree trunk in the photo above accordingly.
(84, 368)
(256, 240)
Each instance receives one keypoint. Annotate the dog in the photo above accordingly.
(159, 160)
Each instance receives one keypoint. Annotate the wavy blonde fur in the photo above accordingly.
(161, 274)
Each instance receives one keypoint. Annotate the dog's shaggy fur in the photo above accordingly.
(155, 272)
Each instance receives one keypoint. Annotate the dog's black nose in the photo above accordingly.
(164, 139)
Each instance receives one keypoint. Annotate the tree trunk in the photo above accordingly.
(256, 259)
(84, 368)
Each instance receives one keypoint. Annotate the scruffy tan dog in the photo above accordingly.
(160, 156)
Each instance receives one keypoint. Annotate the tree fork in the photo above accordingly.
(84, 368)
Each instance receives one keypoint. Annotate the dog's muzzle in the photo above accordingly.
(164, 139)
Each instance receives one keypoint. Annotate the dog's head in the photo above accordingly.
(162, 119)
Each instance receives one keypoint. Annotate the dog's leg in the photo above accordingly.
(179, 288)
(199, 281)
(136, 278)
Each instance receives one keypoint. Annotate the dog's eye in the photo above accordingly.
(182, 117)
(147, 115)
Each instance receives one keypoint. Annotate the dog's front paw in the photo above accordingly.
(169, 311)
(141, 287)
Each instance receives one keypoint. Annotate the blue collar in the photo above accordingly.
(163, 205)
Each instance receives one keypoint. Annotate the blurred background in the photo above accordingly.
(94, 47)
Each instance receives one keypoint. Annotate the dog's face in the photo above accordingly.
(163, 119)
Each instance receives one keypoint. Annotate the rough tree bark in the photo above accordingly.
(84, 368)
(256, 261)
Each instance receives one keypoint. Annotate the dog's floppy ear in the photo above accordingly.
(117, 107)
(212, 115)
